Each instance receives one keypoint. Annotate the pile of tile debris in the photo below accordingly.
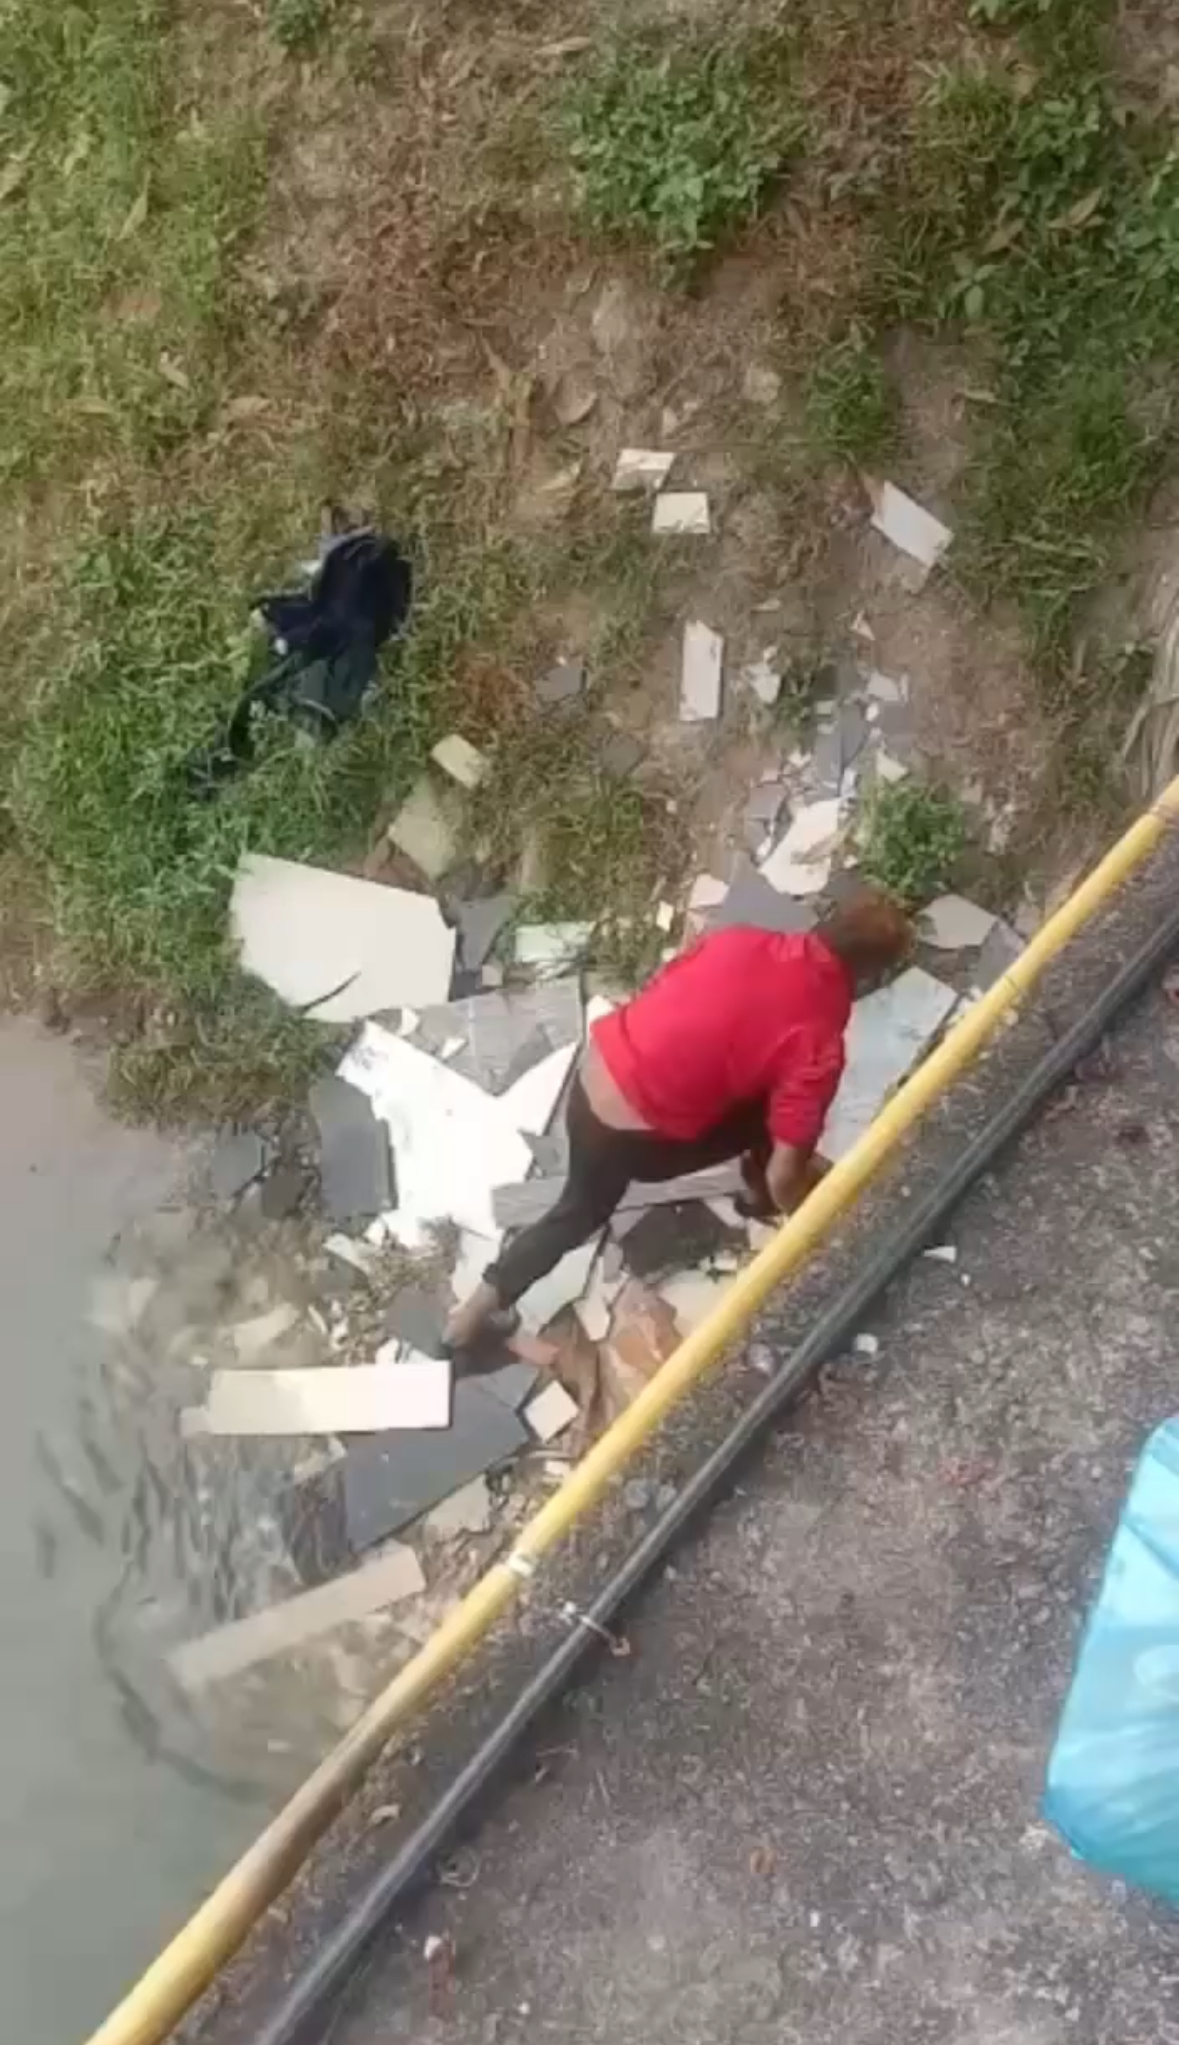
(443, 1127)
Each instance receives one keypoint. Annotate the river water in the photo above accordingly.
(106, 1842)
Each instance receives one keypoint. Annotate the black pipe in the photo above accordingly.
(326, 1973)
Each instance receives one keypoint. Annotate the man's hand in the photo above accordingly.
(790, 1176)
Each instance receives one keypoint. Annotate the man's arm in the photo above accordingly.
(791, 1174)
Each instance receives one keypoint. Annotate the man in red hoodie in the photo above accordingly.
(733, 1050)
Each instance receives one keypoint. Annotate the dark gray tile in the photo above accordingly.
(238, 1158)
(753, 904)
(479, 924)
(391, 1479)
(355, 1171)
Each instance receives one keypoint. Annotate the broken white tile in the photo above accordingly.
(396, 1574)
(408, 1022)
(558, 1288)
(641, 468)
(664, 916)
(366, 1398)
(942, 1253)
(763, 678)
(866, 1345)
(700, 673)
(425, 828)
(336, 947)
(531, 1101)
(452, 1142)
(888, 1032)
(954, 924)
(451, 1048)
(691, 1295)
(681, 511)
(460, 759)
(466, 1511)
(800, 864)
(551, 1412)
(707, 892)
(908, 525)
(862, 629)
(885, 689)
(551, 948)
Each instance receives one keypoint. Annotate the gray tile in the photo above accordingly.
(416, 1315)
(513, 1383)
(753, 904)
(564, 683)
(391, 1479)
(355, 1172)
(620, 754)
(999, 950)
(238, 1158)
(495, 1025)
(479, 924)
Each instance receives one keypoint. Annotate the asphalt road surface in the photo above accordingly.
(807, 1807)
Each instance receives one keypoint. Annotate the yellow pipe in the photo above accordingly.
(215, 1931)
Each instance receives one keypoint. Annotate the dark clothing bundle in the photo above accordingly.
(327, 639)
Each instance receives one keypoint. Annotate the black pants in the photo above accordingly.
(602, 1164)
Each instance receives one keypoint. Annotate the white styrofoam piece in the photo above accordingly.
(558, 1288)
(333, 1399)
(641, 468)
(887, 690)
(338, 947)
(551, 1412)
(700, 673)
(800, 863)
(954, 924)
(530, 1102)
(551, 948)
(452, 1142)
(887, 1034)
(908, 525)
(681, 511)
(460, 759)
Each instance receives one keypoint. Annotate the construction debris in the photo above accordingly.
(426, 829)
(479, 924)
(641, 468)
(889, 1031)
(239, 1157)
(466, 1511)
(700, 674)
(387, 1580)
(1000, 950)
(356, 1180)
(390, 1479)
(681, 511)
(551, 948)
(563, 684)
(911, 528)
(460, 759)
(551, 1412)
(336, 948)
(954, 924)
(800, 864)
(337, 1399)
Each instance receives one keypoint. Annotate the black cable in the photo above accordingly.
(338, 1953)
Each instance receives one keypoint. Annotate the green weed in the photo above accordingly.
(913, 840)
(676, 146)
(298, 24)
(852, 407)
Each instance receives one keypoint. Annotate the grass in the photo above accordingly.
(176, 406)
(853, 409)
(676, 145)
(913, 839)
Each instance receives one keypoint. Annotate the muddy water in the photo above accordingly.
(111, 1827)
